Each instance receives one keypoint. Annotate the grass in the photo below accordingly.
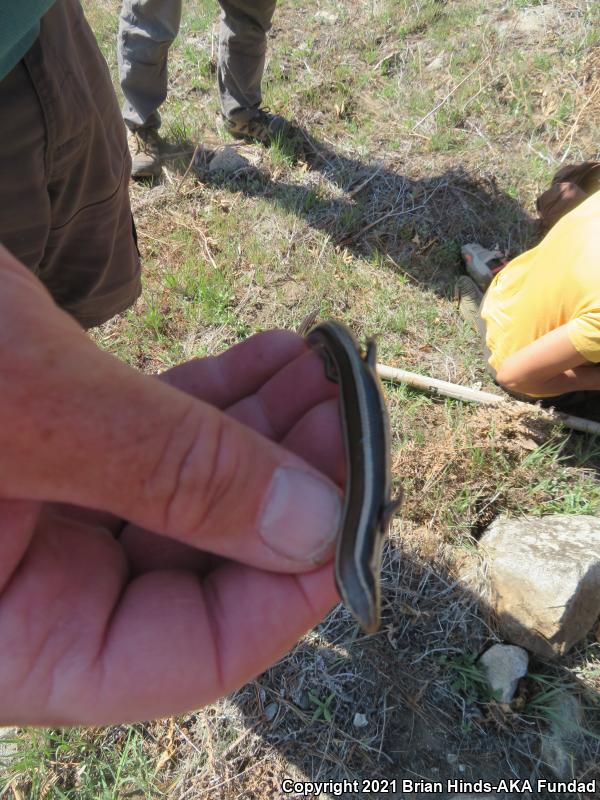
(427, 124)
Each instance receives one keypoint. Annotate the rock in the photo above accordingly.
(360, 721)
(561, 741)
(7, 748)
(437, 63)
(544, 579)
(533, 22)
(326, 16)
(504, 665)
(271, 711)
(538, 19)
(227, 161)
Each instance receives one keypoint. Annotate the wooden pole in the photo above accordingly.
(447, 389)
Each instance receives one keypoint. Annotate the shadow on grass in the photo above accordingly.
(415, 224)
(407, 704)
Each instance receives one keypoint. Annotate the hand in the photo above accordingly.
(93, 630)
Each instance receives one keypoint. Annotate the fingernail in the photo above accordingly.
(301, 515)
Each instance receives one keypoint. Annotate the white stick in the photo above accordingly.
(447, 389)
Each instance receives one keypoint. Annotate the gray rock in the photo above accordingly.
(538, 19)
(561, 742)
(437, 63)
(545, 579)
(228, 161)
(504, 665)
(360, 720)
(7, 748)
(533, 22)
(327, 17)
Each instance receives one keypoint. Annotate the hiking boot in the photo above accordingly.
(469, 298)
(482, 264)
(144, 146)
(262, 126)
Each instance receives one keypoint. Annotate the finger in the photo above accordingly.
(147, 551)
(83, 644)
(18, 519)
(54, 614)
(240, 371)
(283, 400)
(317, 438)
(88, 516)
(80, 427)
(207, 640)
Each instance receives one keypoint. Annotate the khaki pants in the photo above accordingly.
(64, 203)
(146, 31)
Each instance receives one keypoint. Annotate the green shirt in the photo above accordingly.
(19, 28)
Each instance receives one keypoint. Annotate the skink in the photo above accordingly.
(368, 507)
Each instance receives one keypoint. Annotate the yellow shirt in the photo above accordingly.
(553, 284)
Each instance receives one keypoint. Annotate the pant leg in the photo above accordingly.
(242, 50)
(584, 404)
(147, 29)
(64, 201)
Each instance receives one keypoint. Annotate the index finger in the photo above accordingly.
(240, 371)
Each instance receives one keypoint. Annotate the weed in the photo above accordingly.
(322, 707)
(468, 678)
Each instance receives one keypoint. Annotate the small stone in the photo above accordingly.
(504, 665)
(360, 721)
(538, 19)
(326, 16)
(227, 161)
(7, 749)
(437, 63)
(451, 758)
(533, 22)
(560, 743)
(271, 711)
(545, 579)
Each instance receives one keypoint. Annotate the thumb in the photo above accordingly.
(79, 426)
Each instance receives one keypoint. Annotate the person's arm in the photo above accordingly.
(549, 366)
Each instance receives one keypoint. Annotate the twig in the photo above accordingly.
(368, 180)
(195, 229)
(449, 95)
(186, 173)
(168, 175)
(391, 213)
(548, 159)
(404, 272)
(447, 389)
(227, 752)
(385, 58)
(571, 131)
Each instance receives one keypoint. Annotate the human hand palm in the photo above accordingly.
(97, 630)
